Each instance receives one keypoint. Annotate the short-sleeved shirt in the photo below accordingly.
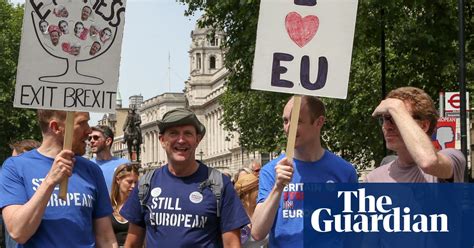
(180, 214)
(397, 172)
(287, 230)
(108, 168)
(65, 223)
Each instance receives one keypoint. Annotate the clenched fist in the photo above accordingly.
(62, 167)
(284, 173)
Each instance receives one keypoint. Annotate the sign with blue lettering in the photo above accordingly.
(389, 215)
(70, 55)
(304, 47)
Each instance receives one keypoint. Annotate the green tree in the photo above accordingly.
(16, 124)
(421, 50)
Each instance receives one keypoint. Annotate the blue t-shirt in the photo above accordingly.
(287, 230)
(65, 223)
(108, 168)
(181, 215)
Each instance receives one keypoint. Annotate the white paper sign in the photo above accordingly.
(304, 46)
(452, 102)
(70, 55)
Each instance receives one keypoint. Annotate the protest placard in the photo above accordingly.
(69, 58)
(70, 55)
(304, 47)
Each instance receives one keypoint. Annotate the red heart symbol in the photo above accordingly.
(301, 30)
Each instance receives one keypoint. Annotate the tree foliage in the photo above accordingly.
(16, 124)
(421, 50)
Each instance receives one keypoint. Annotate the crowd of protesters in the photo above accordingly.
(185, 203)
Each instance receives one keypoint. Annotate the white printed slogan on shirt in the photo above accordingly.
(293, 197)
(73, 198)
(173, 216)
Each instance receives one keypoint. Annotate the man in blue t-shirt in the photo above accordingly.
(280, 199)
(100, 141)
(18, 148)
(180, 211)
(33, 213)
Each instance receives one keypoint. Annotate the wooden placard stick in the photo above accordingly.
(295, 115)
(67, 145)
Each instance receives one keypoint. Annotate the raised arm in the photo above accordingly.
(417, 142)
(265, 212)
(22, 221)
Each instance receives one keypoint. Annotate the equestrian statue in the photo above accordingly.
(132, 134)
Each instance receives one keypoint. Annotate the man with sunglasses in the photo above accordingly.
(256, 166)
(100, 142)
(181, 210)
(408, 117)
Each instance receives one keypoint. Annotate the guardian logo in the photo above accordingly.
(374, 214)
(395, 215)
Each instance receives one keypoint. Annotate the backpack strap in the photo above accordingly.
(214, 181)
(144, 187)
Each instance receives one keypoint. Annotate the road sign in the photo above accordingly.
(453, 102)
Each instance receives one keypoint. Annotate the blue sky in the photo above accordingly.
(153, 29)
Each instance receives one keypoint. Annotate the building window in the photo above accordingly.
(212, 62)
(213, 41)
(198, 61)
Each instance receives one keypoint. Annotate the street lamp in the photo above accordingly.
(200, 155)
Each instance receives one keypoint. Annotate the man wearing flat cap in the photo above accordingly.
(179, 212)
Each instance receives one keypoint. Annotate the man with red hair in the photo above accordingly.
(408, 117)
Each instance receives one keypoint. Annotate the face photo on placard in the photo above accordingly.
(94, 31)
(61, 11)
(43, 27)
(54, 34)
(95, 48)
(86, 13)
(105, 34)
(63, 26)
(80, 31)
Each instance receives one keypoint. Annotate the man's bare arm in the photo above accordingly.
(416, 140)
(265, 212)
(135, 236)
(22, 221)
(231, 239)
(104, 233)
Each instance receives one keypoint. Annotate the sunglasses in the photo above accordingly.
(129, 167)
(94, 137)
(388, 118)
(385, 118)
(257, 170)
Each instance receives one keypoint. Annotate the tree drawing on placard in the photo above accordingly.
(75, 31)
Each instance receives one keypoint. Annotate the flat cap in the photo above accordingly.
(180, 117)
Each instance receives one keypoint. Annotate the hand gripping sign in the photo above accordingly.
(63, 45)
(304, 47)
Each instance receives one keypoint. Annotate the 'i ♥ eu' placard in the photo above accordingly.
(305, 47)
